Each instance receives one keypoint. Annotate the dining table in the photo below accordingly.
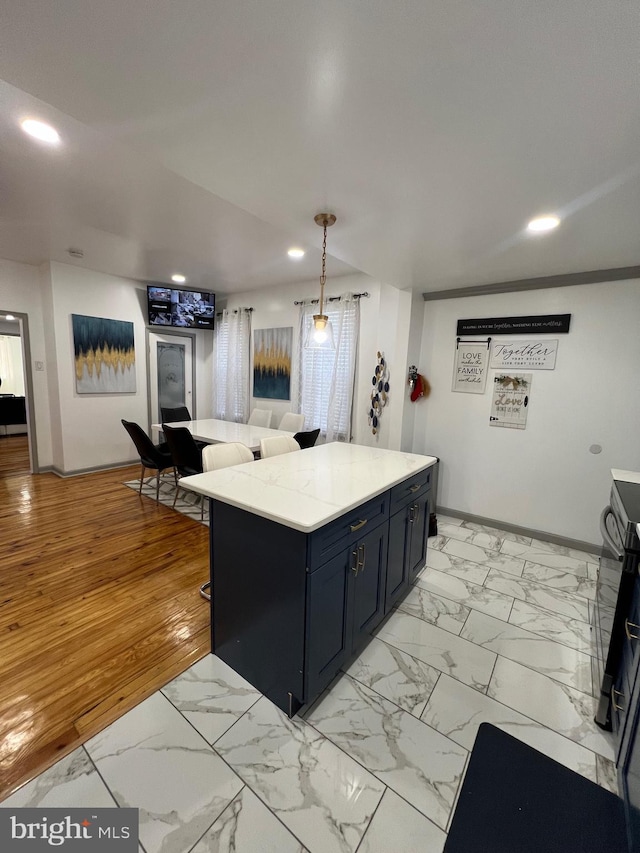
(214, 431)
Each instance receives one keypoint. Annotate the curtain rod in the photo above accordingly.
(332, 298)
(234, 311)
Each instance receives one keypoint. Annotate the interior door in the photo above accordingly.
(170, 372)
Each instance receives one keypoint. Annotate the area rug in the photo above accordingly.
(187, 503)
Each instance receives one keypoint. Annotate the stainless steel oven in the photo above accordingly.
(616, 579)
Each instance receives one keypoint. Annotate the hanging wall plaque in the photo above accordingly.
(510, 400)
(379, 393)
(470, 366)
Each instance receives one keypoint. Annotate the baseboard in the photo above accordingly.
(523, 531)
(78, 472)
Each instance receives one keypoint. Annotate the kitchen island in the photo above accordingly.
(309, 551)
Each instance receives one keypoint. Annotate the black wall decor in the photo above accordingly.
(538, 324)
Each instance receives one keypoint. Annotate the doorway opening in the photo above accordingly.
(17, 431)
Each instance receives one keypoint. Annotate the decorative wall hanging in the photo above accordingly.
(510, 400)
(104, 354)
(379, 393)
(272, 363)
(470, 366)
(527, 355)
(555, 324)
(418, 384)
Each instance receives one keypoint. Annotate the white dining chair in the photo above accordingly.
(214, 457)
(260, 417)
(277, 445)
(291, 422)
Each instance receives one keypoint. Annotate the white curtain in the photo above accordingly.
(231, 342)
(7, 373)
(326, 376)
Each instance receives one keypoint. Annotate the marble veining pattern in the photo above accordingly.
(457, 710)
(484, 557)
(247, 825)
(139, 757)
(395, 675)
(553, 659)
(466, 592)
(561, 629)
(524, 589)
(324, 797)
(414, 760)
(433, 608)
(211, 696)
(441, 649)
(379, 764)
(559, 707)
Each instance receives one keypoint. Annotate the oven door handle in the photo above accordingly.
(608, 541)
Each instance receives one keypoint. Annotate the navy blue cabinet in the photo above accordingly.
(289, 609)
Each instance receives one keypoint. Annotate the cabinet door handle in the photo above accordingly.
(412, 509)
(627, 627)
(361, 560)
(356, 563)
(361, 523)
(616, 707)
(415, 488)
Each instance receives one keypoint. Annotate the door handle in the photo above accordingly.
(616, 707)
(627, 629)
(608, 541)
(358, 526)
(361, 560)
(412, 509)
(356, 563)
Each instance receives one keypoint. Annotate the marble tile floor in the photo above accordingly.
(495, 629)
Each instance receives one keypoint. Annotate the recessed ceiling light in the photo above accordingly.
(40, 130)
(178, 278)
(296, 253)
(543, 223)
(9, 317)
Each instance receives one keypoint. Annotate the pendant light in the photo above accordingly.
(320, 334)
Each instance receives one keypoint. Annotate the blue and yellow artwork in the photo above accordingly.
(104, 355)
(272, 363)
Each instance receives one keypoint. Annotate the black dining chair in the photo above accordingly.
(152, 458)
(179, 413)
(186, 455)
(307, 439)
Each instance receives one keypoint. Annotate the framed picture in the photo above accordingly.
(104, 355)
(272, 363)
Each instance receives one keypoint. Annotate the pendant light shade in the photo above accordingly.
(320, 334)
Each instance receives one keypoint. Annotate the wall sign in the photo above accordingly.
(541, 324)
(530, 355)
(470, 366)
(510, 400)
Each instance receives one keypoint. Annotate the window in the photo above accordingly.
(326, 377)
(231, 366)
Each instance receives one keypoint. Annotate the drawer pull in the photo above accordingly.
(415, 488)
(617, 707)
(627, 627)
(361, 523)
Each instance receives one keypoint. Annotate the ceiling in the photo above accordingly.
(203, 136)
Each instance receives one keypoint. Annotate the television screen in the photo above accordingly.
(186, 309)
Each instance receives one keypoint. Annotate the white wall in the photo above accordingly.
(380, 315)
(91, 434)
(543, 477)
(20, 293)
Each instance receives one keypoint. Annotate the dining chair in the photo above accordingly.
(152, 458)
(216, 456)
(186, 455)
(291, 422)
(260, 417)
(277, 445)
(307, 439)
(170, 415)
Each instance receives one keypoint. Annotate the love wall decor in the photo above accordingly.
(470, 366)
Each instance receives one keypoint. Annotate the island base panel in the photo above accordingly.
(258, 602)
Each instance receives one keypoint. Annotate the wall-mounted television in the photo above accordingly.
(184, 309)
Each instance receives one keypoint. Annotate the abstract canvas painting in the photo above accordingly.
(272, 363)
(104, 354)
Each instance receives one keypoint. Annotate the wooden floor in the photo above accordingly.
(99, 606)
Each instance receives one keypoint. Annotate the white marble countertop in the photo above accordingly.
(216, 432)
(625, 476)
(306, 489)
